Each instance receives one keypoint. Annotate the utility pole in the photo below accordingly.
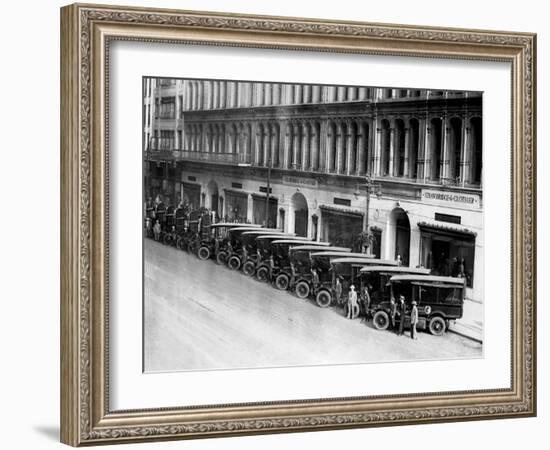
(267, 192)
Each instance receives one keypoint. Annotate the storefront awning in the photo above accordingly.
(438, 227)
(341, 210)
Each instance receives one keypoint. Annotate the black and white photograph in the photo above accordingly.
(301, 224)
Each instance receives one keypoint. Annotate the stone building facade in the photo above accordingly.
(213, 143)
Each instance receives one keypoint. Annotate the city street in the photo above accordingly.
(200, 316)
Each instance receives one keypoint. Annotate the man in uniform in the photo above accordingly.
(244, 253)
(401, 312)
(338, 290)
(393, 312)
(157, 230)
(414, 320)
(271, 264)
(315, 279)
(353, 306)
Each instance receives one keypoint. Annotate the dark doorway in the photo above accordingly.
(300, 222)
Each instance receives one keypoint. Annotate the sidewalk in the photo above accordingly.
(471, 324)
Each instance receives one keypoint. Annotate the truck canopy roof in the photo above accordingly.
(396, 269)
(299, 241)
(331, 253)
(428, 279)
(247, 227)
(274, 236)
(234, 225)
(358, 261)
(320, 247)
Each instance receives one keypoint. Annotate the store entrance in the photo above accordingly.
(440, 254)
(300, 223)
(299, 205)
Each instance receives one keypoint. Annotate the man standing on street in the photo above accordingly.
(414, 320)
(401, 311)
(353, 306)
(338, 290)
(393, 312)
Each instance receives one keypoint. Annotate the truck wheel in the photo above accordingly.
(204, 253)
(281, 282)
(221, 258)
(323, 299)
(249, 268)
(234, 263)
(381, 320)
(302, 289)
(437, 326)
(262, 274)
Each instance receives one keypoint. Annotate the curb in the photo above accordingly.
(467, 336)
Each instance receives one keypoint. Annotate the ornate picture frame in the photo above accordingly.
(86, 33)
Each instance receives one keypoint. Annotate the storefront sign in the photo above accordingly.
(300, 181)
(457, 199)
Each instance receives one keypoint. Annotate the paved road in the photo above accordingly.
(199, 316)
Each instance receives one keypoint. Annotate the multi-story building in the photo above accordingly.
(214, 142)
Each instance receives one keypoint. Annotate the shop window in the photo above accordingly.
(449, 255)
(258, 211)
(341, 229)
(236, 208)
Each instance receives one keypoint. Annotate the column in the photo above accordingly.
(216, 94)
(392, 138)
(377, 148)
(306, 94)
(275, 94)
(200, 95)
(314, 147)
(265, 146)
(223, 93)
(339, 147)
(465, 152)
(229, 138)
(256, 143)
(323, 133)
(446, 136)
(407, 131)
(350, 145)
(221, 139)
(233, 94)
(360, 150)
(249, 206)
(285, 136)
(268, 89)
(316, 94)
(297, 93)
(423, 148)
(305, 146)
(295, 144)
(274, 145)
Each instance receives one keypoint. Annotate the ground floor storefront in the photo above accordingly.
(436, 227)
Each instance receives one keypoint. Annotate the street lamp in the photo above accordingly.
(371, 188)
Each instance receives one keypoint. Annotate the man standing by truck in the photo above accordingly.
(401, 313)
(414, 320)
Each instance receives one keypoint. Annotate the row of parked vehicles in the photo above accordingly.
(317, 270)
